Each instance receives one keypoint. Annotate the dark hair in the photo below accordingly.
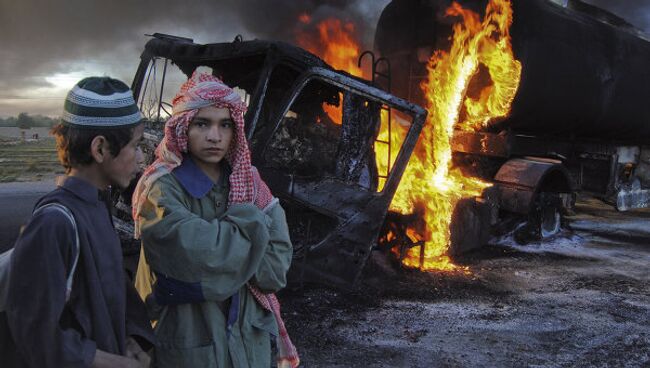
(73, 144)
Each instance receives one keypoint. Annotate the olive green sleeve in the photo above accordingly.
(271, 275)
(222, 254)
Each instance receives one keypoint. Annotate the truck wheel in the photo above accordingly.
(546, 215)
(544, 220)
(549, 221)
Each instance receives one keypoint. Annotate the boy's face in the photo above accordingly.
(209, 135)
(121, 169)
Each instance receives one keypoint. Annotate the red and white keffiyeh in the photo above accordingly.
(246, 185)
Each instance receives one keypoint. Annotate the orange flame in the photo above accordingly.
(304, 18)
(430, 180)
(430, 183)
(337, 45)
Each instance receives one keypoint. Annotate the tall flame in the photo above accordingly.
(430, 180)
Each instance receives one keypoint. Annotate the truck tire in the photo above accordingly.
(544, 219)
(550, 220)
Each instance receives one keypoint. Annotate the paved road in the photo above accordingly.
(578, 299)
(16, 203)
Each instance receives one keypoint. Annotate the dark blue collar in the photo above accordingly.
(80, 187)
(194, 180)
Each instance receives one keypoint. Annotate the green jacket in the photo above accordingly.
(197, 240)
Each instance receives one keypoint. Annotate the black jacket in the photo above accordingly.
(104, 307)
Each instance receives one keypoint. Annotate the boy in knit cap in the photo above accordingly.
(101, 322)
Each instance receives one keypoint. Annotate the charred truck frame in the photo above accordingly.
(324, 172)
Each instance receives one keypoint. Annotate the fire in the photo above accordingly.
(431, 187)
(304, 18)
(431, 180)
(336, 43)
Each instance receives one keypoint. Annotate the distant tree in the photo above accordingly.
(24, 121)
(8, 121)
(11, 121)
(42, 121)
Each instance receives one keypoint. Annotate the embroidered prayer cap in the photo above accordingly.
(100, 102)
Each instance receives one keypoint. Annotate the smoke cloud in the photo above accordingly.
(46, 46)
(71, 39)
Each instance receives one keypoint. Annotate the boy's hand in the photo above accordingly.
(134, 351)
(108, 360)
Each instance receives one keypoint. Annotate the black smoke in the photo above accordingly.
(39, 38)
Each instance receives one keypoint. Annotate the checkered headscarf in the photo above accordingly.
(246, 185)
(199, 91)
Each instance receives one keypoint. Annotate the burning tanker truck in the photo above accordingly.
(526, 102)
(547, 98)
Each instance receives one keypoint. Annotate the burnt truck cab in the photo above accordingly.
(324, 171)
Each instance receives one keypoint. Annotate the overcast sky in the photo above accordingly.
(47, 46)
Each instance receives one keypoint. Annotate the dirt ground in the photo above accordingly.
(581, 299)
(28, 160)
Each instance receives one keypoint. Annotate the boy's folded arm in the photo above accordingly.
(220, 255)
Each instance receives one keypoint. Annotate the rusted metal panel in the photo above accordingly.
(522, 172)
(519, 181)
(487, 144)
(515, 199)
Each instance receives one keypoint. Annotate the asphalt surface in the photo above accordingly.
(17, 201)
(580, 299)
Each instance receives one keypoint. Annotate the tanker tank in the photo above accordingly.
(585, 72)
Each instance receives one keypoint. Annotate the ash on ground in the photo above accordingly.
(581, 299)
